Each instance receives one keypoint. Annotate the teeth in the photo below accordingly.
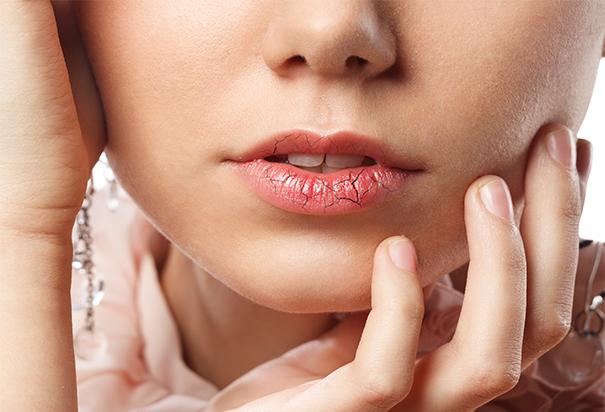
(316, 169)
(304, 160)
(325, 163)
(343, 161)
(327, 169)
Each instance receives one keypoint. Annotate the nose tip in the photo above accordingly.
(331, 38)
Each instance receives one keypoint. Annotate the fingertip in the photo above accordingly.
(496, 198)
(561, 145)
(402, 253)
(493, 193)
(395, 272)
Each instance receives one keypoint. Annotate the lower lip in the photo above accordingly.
(349, 190)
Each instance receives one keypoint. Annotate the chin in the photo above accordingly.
(318, 290)
(321, 274)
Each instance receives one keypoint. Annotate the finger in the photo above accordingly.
(549, 228)
(584, 165)
(483, 360)
(382, 372)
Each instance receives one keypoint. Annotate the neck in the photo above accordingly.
(227, 335)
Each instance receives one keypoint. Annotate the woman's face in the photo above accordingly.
(199, 95)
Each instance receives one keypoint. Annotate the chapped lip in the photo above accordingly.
(306, 142)
(344, 191)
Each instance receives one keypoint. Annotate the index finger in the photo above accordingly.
(381, 374)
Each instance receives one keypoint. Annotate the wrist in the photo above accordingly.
(25, 223)
(33, 263)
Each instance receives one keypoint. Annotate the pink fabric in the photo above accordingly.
(143, 369)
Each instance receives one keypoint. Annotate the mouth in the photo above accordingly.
(322, 175)
(323, 162)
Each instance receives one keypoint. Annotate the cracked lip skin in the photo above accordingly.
(294, 189)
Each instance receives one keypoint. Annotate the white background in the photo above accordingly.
(592, 225)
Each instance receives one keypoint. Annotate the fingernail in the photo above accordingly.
(403, 255)
(584, 159)
(562, 147)
(496, 198)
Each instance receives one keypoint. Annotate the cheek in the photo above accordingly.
(156, 60)
(174, 98)
(482, 81)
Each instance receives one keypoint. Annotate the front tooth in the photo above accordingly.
(304, 160)
(343, 161)
(316, 169)
(327, 169)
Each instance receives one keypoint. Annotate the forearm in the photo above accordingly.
(44, 166)
(37, 367)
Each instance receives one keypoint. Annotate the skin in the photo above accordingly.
(179, 131)
(236, 65)
(186, 126)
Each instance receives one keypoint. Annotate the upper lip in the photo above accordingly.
(341, 142)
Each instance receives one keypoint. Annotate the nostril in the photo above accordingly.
(298, 59)
(356, 61)
(330, 38)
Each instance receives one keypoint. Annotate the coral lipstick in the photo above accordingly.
(296, 189)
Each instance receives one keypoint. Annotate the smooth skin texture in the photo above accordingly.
(462, 105)
(496, 140)
(459, 104)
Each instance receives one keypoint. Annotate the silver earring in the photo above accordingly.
(87, 286)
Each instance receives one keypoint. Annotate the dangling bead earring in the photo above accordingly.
(87, 286)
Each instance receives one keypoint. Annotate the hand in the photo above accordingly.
(45, 155)
(516, 307)
(50, 137)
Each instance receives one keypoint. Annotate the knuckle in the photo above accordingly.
(572, 211)
(492, 380)
(548, 332)
(383, 391)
